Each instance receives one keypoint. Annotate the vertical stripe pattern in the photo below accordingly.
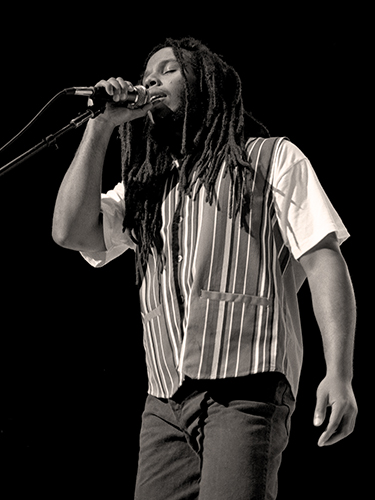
(216, 307)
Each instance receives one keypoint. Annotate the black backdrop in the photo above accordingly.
(72, 370)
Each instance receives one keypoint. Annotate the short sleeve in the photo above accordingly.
(305, 214)
(116, 240)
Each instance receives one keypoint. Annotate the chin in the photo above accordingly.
(159, 112)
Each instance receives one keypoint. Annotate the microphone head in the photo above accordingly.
(138, 98)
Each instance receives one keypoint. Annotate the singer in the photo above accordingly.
(226, 223)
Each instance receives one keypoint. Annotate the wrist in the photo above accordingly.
(100, 128)
(344, 376)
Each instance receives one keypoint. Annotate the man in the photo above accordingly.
(226, 225)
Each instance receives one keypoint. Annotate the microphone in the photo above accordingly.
(135, 99)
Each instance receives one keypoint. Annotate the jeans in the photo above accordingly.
(215, 440)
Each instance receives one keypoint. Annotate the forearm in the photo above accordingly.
(77, 210)
(335, 311)
(76, 221)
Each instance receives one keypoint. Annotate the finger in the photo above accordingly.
(332, 427)
(326, 440)
(122, 89)
(320, 408)
(126, 87)
(107, 85)
(116, 88)
(344, 429)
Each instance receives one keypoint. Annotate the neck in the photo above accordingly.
(167, 132)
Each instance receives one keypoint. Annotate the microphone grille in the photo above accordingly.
(142, 96)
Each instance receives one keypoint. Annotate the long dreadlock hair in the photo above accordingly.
(220, 135)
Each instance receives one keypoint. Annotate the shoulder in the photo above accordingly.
(289, 154)
(280, 152)
(280, 147)
(290, 164)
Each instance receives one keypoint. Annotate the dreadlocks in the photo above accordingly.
(217, 135)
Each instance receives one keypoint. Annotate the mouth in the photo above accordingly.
(157, 97)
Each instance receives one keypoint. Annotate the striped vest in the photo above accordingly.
(225, 304)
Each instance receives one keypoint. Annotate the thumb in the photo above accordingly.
(321, 407)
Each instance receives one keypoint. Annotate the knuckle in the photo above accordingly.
(107, 84)
(129, 85)
(114, 83)
(121, 81)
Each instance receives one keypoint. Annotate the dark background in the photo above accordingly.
(72, 372)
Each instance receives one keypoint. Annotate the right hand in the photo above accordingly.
(115, 114)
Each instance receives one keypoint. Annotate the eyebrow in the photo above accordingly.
(161, 64)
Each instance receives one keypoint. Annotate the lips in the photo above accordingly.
(157, 97)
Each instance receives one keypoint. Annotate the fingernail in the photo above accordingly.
(317, 421)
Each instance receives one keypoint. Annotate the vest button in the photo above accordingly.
(179, 258)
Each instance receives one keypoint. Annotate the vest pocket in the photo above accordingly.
(235, 297)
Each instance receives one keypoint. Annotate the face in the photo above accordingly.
(164, 79)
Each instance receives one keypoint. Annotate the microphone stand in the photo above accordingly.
(50, 140)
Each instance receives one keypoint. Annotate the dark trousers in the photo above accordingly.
(215, 440)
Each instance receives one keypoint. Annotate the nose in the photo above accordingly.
(151, 80)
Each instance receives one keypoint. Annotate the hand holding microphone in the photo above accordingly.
(125, 102)
(117, 90)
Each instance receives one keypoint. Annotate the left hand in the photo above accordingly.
(338, 394)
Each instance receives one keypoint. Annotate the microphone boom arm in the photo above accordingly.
(50, 140)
